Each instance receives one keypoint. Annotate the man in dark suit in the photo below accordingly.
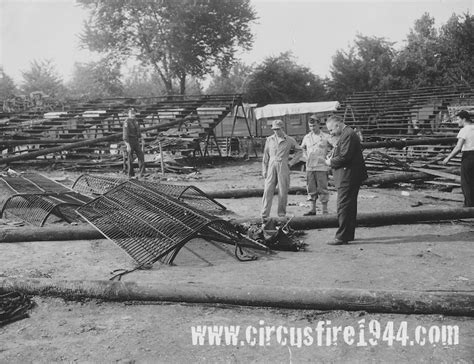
(349, 172)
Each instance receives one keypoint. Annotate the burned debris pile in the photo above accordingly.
(14, 306)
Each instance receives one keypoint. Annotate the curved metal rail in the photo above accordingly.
(93, 185)
(151, 225)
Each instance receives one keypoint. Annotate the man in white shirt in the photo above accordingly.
(315, 147)
(276, 168)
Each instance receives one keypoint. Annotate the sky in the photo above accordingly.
(313, 30)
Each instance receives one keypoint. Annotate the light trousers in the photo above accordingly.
(278, 173)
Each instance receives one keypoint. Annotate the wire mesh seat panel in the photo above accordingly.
(34, 183)
(36, 208)
(37, 197)
(97, 185)
(150, 225)
(189, 194)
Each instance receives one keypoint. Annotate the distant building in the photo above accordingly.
(295, 116)
(224, 128)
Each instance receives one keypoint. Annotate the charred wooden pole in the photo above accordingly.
(49, 233)
(396, 177)
(382, 179)
(14, 142)
(380, 218)
(411, 142)
(24, 234)
(366, 145)
(250, 192)
(455, 303)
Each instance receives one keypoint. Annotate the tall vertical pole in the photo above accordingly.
(248, 128)
(162, 161)
(229, 143)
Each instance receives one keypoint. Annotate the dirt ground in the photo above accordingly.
(429, 256)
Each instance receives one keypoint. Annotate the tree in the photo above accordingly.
(143, 82)
(7, 86)
(280, 80)
(177, 38)
(416, 65)
(367, 65)
(456, 49)
(42, 77)
(140, 82)
(96, 79)
(232, 82)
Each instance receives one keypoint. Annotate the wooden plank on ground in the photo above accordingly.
(442, 174)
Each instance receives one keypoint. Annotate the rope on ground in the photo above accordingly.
(14, 306)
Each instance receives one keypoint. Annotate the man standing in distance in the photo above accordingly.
(315, 148)
(349, 172)
(132, 137)
(276, 168)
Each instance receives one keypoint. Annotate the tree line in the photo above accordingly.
(176, 46)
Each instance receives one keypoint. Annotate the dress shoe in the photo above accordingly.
(338, 242)
(309, 213)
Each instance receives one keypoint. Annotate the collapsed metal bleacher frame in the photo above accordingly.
(151, 225)
(36, 198)
(93, 185)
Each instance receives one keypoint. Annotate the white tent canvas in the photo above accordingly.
(278, 110)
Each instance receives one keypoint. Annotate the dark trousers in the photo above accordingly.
(135, 148)
(347, 211)
(467, 178)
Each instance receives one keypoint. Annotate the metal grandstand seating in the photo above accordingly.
(151, 225)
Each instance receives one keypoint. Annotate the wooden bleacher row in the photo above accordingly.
(386, 114)
(104, 117)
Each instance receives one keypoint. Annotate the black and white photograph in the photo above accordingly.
(236, 181)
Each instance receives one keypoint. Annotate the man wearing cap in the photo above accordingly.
(132, 137)
(276, 168)
(349, 171)
(316, 146)
(466, 145)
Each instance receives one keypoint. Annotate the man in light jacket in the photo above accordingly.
(276, 168)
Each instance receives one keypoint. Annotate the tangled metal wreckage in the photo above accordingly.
(150, 221)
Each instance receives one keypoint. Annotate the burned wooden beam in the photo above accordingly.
(442, 174)
(55, 233)
(451, 302)
(382, 179)
(411, 142)
(379, 218)
(15, 142)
